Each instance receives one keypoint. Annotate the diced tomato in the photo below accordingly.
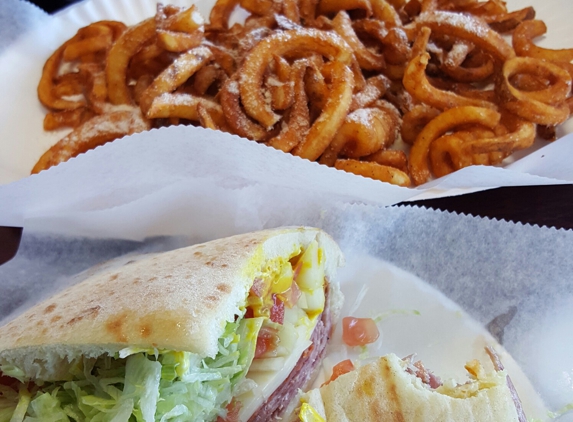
(233, 410)
(292, 295)
(339, 369)
(277, 310)
(267, 341)
(359, 331)
(249, 313)
(258, 288)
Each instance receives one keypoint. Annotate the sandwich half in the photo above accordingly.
(227, 330)
(391, 389)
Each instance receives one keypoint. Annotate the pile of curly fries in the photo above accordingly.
(395, 90)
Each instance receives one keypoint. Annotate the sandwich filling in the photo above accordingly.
(281, 327)
(405, 381)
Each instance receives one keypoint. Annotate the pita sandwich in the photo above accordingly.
(222, 331)
(391, 389)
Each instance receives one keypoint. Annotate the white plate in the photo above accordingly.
(23, 139)
(417, 319)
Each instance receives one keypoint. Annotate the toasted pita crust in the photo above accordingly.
(179, 300)
(383, 391)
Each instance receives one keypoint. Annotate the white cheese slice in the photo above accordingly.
(268, 382)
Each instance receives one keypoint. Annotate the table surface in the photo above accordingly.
(550, 206)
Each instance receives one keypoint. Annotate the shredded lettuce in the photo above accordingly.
(16, 404)
(8, 403)
(14, 372)
(46, 408)
(385, 315)
(140, 385)
(565, 409)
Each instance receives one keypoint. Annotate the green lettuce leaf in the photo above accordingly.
(141, 385)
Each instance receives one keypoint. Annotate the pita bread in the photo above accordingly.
(383, 391)
(179, 300)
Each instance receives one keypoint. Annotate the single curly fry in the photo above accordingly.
(391, 158)
(220, 13)
(95, 85)
(175, 75)
(66, 118)
(452, 152)
(384, 11)
(367, 59)
(298, 119)
(470, 74)
(184, 106)
(559, 79)
(298, 42)
(327, 124)
(92, 133)
(524, 46)
(182, 20)
(92, 38)
(69, 84)
(375, 88)
(546, 106)
(207, 76)
(240, 123)
(260, 7)
(421, 41)
(46, 93)
(506, 22)
(363, 132)
(326, 7)
(374, 171)
(366, 131)
(439, 126)
(280, 85)
(315, 87)
(417, 84)
(447, 155)
(415, 120)
(468, 28)
(522, 136)
(308, 12)
(178, 42)
(126, 46)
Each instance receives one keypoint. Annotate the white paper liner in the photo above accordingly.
(98, 193)
(16, 18)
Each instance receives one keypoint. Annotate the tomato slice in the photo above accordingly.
(359, 331)
(258, 288)
(277, 310)
(292, 295)
(267, 341)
